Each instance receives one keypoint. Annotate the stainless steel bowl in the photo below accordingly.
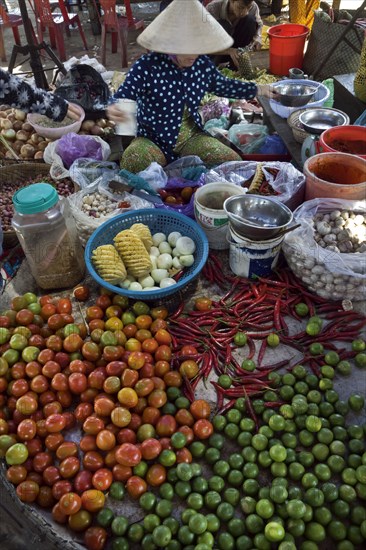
(257, 218)
(318, 119)
(294, 95)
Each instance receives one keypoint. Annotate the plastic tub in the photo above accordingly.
(55, 133)
(335, 175)
(253, 259)
(320, 97)
(344, 139)
(210, 214)
(286, 47)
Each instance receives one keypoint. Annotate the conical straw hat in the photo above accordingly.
(185, 27)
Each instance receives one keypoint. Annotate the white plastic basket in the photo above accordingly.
(320, 97)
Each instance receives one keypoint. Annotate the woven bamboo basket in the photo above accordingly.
(298, 131)
(19, 173)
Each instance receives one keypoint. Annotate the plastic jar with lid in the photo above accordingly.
(48, 235)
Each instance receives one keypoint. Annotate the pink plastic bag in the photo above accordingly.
(73, 146)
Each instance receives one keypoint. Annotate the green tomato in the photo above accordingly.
(240, 339)
(16, 454)
(360, 360)
(274, 531)
(248, 364)
(273, 340)
(302, 309)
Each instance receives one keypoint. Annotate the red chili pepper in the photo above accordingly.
(269, 404)
(261, 352)
(229, 405)
(276, 315)
(274, 366)
(177, 312)
(187, 389)
(251, 347)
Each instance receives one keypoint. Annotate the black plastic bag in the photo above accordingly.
(85, 86)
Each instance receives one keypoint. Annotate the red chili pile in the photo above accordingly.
(259, 309)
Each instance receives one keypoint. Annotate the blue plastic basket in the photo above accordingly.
(157, 221)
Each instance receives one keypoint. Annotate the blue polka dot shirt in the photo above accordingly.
(162, 90)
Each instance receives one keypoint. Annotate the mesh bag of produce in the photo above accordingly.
(328, 251)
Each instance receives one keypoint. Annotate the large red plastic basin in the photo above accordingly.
(344, 139)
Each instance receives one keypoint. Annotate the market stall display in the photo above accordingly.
(221, 409)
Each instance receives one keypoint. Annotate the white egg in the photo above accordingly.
(135, 286)
(158, 238)
(173, 237)
(164, 283)
(164, 261)
(159, 274)
(165, 248)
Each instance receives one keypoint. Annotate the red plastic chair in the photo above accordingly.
(9, 21)
(118, 27)
(56, 23)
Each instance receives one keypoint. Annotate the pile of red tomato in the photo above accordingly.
(108, 379)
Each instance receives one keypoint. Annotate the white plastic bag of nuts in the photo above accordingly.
(328, 251)
(93, 205)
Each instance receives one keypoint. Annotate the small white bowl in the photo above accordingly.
(55, 133)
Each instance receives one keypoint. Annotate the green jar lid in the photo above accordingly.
(35, 198)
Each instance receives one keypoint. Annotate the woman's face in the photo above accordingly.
(186, 60)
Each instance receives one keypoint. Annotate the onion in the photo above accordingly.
(186, 260)
(96, 130)
(135, 286)
(165, 248)
(158, 238)
(8, 134)
(6, 124)
(27, 151)
(19, 115)
(159, 274)
(173, 237)
(167, 282)
(185, 245)
(147, 282)
(22, 135)
(154, 251)
(87, 125)
(27, 127)
(38, 155)
(176, 263)
(101, 122)
(164, 261)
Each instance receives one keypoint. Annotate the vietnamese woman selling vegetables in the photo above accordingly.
(168, 85)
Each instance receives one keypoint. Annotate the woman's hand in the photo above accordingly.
(256, 46)
(233, 52)
(266, 90)
(115, 113)
(73, 111)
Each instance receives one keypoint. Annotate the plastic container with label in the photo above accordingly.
(48, 235)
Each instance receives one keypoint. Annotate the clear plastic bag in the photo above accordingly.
(249, 138)
(84, 171)
(330, 274)
(283, 177)
(154, 175)
(85, 223)
(58, 169)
